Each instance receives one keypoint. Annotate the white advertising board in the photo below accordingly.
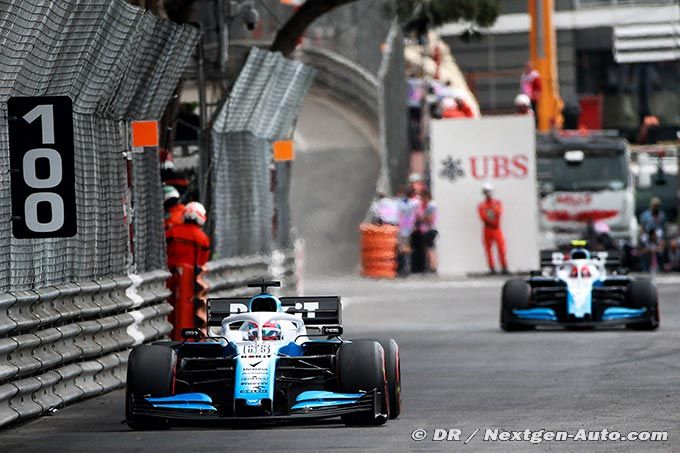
(466, 153)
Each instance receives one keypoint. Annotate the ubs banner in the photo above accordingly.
(465, 155)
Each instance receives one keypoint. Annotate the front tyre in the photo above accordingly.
(150, 372)
(393, 371)
(361, 368)
(516, 293)
(641, 293)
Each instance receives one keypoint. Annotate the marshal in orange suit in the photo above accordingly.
(490, 212)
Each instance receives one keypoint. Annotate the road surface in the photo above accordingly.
(459, 371)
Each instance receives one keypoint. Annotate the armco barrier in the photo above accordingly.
(344, 79)
(64, 343)
(283, 268)
(228, 277)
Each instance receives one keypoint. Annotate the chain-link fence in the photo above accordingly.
(69, 336)
(115, 62)
(263, 105)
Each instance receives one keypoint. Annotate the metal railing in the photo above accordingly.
(68, 342)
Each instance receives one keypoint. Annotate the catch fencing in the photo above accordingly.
(70, 308)
(263, 105)
(115, 62)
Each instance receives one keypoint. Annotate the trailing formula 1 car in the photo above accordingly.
(579, 289)
(272, 359)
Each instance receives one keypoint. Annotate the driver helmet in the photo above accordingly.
(250, 329)
(271, 331)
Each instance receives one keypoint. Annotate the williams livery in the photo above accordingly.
(577, 289)
(270, 359)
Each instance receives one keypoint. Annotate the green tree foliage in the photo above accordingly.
(419, 16)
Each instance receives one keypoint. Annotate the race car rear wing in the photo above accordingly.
(611, 258)
(314, 311)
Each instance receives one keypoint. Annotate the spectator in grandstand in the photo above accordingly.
(384, 210)
(170, 175)
(599, 236)
(407, 207)
(187, 243)
(174, 210)
(523, 105)
(648, 133)
(456, 107)
(426, 222)
(531, 85)
(651, 251)
(435, 91)
(653, 218)
(672, 256)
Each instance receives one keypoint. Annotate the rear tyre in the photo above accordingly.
(641, 293)
(361, 367)
(515, 294)
(150, 372)
(393, 371)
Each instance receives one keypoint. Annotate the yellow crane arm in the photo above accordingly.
(543, 55)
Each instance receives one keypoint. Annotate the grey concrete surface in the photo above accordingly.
(459, 371)
(334, 178)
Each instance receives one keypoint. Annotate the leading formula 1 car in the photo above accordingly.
(577, 289)
(272, 359)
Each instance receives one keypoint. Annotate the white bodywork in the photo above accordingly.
(580, 275)
(256, 363)
(292, 327)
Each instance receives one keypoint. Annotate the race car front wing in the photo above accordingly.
(143, 406)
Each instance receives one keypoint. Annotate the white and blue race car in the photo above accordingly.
(576, 289)
(271, 359)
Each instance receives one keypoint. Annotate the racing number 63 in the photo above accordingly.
(43, 186)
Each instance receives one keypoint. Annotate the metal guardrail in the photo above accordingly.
(228, 277)
(345, 79)
(68, 342)
(284, 269)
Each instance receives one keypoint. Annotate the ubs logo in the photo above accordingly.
(497, 167)
(452, 169)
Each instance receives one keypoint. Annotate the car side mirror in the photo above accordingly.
(192, 334)
(332, 330)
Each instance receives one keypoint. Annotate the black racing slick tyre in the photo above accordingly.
(361, 368)
(150, 372)
(516, 293)
(641, 293)
(393, 370)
